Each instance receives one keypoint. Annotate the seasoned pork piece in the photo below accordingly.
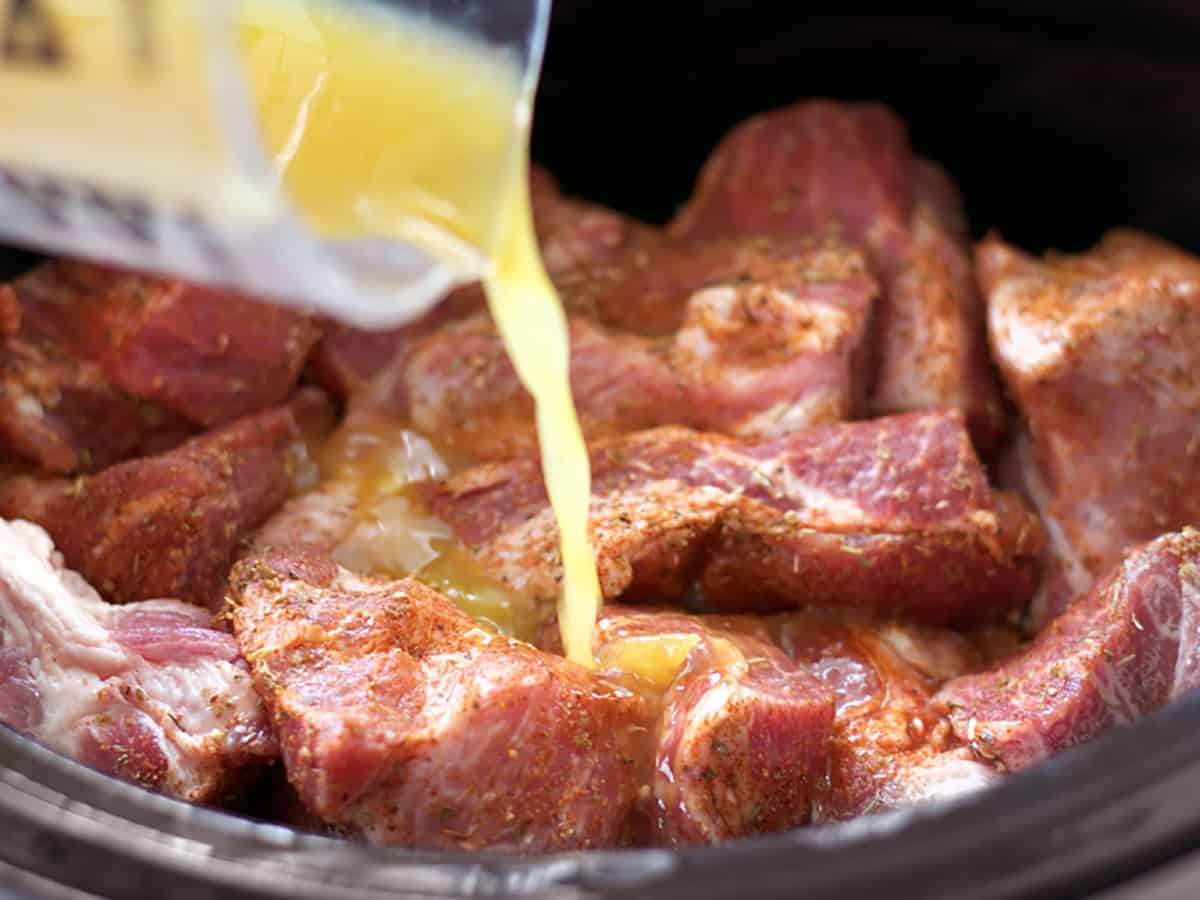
(148, 692)
(893, 515)
(815, 164)
(403, 720)
(742, 737)
(1100, 351)
(206, 354)
(767, 338)
(645, 291)
(58, 409)
(167, 525)
(892, 742)
(1131, 645)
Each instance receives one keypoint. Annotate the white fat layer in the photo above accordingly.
(42, 615)
(786, 416)
(192, 708)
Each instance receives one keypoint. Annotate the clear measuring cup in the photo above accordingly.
(345, 157)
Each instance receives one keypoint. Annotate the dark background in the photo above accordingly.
(1058, 119)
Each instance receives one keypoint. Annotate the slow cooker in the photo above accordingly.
(1058, 120)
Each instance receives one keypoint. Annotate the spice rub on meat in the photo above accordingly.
(1131, 645)
(206, 354)
(758, 337)
(167, 525)
(818, 163)
(1100, 350)
(60, 410)
(101, 364)
(401, 718)
(148, 692)
(893, 516)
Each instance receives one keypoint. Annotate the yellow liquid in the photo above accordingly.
(379, 125)
(375, 126)
(654, 659)
(534, 328)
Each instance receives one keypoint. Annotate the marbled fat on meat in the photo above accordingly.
(1131, 645)
(149, 692)
(893, 516)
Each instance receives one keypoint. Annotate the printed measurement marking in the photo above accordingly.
(66, 205)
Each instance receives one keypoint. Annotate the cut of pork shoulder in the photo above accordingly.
(58, 409)
(742, 738)
(893, 515)
(207, 354)
(149, 692)
(167, 525)
(1101, 350)
(1131, 645)
(892, 742)
(805, 167)
(755, 357)
(401, 719)
(646, 291)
